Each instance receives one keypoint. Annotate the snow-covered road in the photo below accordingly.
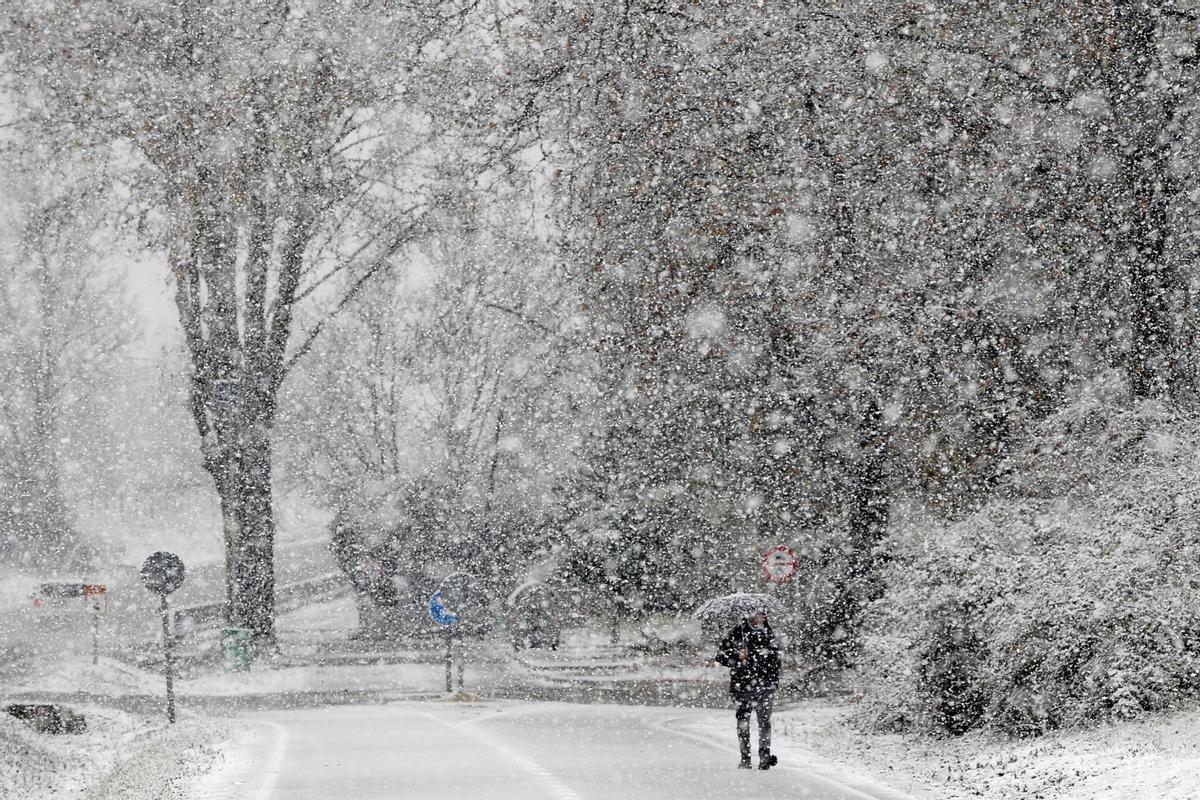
(459, 751)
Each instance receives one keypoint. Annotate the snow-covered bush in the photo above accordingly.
(949, 669)
(1071, 600)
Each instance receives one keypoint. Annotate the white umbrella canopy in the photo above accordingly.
(738, 605)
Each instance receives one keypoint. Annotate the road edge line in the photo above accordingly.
(275, 764)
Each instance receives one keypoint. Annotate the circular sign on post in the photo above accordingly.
(162, 573)
(779, 563)
(438, 611)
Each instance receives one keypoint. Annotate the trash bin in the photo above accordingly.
(235, 647)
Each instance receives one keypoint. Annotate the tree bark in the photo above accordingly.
(868, 517)
(253, 603)
(867, 521)
(1144, 148)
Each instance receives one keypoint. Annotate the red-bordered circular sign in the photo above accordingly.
(779, 563)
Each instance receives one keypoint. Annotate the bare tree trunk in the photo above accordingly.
(236, 345)
(867, 521)
(868, 518)
(1143, 147)
(253, 603)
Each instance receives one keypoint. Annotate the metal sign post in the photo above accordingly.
(447, 607)
(780, 565)
(168, 662)
(462, 660)
(443, 616)
(95, 596)
(162, 573)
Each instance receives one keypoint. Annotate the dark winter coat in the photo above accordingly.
(758, 675)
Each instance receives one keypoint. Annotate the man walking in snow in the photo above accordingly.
(751, 652)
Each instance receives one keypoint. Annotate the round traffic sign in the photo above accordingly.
(162, 573)
(438, 611)
(779, 563)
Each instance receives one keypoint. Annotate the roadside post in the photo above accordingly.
(235, 649)
(457, 604)
(780, 565)
(95, 597)
(162, 573)
(95, 601)
(442, 615)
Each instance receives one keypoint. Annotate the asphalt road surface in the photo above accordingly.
(533, 751)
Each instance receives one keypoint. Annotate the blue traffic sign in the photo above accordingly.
(439, 613)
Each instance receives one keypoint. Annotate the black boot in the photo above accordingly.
(744, 763)
(767, 761)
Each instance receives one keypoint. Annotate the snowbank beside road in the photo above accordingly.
(164, 763)
(34, 765)
(119, 756)
(1157, 758)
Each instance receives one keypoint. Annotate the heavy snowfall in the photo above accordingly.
(648, 399)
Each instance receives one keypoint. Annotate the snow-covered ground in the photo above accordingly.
(131, 756)
(120, 756)
(1156, 758)
(232, 722)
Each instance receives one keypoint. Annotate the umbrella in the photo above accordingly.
(738, 605)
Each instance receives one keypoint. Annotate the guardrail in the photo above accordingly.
(288, 597)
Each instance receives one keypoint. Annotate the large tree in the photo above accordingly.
(671, 128)
(267, 149)
(837, 252)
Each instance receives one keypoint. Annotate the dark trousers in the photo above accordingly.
(762, 705)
